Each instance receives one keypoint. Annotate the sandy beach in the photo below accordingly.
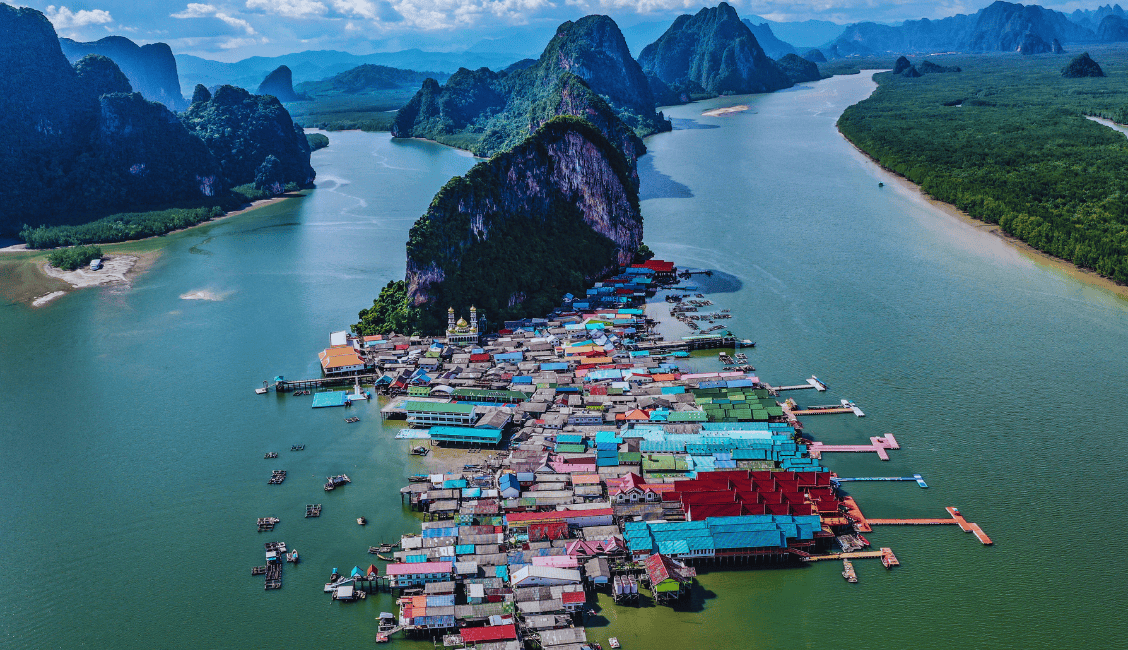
(25, 275)
(727, 110)
(1071, 269)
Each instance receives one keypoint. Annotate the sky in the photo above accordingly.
(229, 30)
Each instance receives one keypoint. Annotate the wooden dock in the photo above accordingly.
(915, 477)
(286, 386)
(856, 555)
(878, 445)
(864, 524)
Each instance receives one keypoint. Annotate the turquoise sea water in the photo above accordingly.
(131, 442)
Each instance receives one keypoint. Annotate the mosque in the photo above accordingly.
(462, 333)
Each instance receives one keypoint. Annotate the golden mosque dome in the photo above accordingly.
(462, 323)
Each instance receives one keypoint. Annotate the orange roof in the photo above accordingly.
(663, 377)
(585, 479)
(636, 415)
(339, 357)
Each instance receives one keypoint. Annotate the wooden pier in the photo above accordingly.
(285, 386)
(915, 477)
(856, 555)
(864, 525)
(878, 445)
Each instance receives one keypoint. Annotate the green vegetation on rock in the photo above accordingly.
(1007, 142)
(486, 112)
(512, 236)
(712, 52)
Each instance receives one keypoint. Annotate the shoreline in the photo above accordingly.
(36, 285)
(1086, 276)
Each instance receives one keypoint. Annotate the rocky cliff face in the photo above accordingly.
(151, 69)
(713, 51)
(280, 83)
(80, 145)
(516, 233)
(241, 130)
(488, 112)
(799, 69)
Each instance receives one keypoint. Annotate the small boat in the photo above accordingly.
(419, 451)
(888, 559)
(293, 557)
(385, 558)
(419, 478)
(613, 642)
(848, 571)
(361, 520)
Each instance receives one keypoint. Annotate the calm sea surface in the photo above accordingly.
(131, 442)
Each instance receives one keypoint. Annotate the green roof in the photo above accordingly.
(438, 407)
(481, 394)
(686, 416)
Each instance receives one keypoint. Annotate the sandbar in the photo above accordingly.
(727, 110)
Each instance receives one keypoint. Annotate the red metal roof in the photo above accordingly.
(487, 634)
(572, 597)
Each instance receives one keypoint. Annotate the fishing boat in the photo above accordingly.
(613, 642)
(848, 571)
(292, 556)
(888, 559)
(419, 451)
(385, 558)
(361, 520)
(419, 478)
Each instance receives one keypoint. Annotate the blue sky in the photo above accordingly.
(234, 29)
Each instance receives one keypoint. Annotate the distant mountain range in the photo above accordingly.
(316, 65)
(1000, 27)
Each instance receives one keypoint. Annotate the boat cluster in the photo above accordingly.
(277, 476)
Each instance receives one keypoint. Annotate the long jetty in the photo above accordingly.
(285, 386)
(865, 524)
(915, 477)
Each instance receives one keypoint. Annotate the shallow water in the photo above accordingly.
(132, 441)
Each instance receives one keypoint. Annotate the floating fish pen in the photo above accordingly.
(267, 523)
(277, 476)
(297, 447)
(313, 510)
(270, 454)
(258, 570)
(334, 482)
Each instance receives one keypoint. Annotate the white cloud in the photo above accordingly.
(198, 10)
(63, 18)
(289, 8)
(235, 22)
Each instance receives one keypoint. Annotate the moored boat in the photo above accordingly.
(888, 559)
(361, 520)
(613, 642)
(848, 571)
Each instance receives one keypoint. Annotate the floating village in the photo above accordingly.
(590, 459)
